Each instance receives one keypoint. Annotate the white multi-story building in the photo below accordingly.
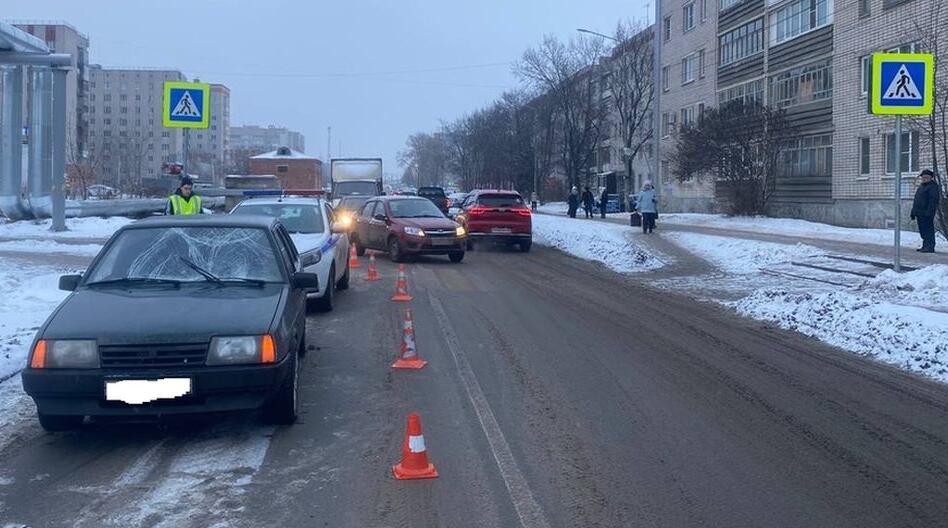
(209, 149)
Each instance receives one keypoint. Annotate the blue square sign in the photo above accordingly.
(186, 105)
(902, 83)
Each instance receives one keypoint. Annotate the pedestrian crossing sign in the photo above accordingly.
(186, 105)
(902, 83)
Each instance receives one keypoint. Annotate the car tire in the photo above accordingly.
(327, 301)
(456, 257)
(283, 409)
(57, 422)
(395, 252)
(525, 246)
(303, 348)
(343, 283)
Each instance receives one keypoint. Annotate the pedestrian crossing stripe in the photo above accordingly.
(186, 105)
(902, 84)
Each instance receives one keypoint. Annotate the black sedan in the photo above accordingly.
(176, 315)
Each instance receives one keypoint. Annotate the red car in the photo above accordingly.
(407, 225)
(500, 216)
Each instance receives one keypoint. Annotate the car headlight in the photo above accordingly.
(65, 353)
(344, 220)
(241, 350)
(460, 231)
(416, 231)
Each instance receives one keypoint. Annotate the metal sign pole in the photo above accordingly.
(897, 265)
(187, 148)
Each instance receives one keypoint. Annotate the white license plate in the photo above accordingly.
(442, 241)
(137, 392)
(501, 230)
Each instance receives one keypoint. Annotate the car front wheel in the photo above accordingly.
(327, 301)
(457, 256)
(343, 283)
(284, 408)
(395, 250)
(56, 422)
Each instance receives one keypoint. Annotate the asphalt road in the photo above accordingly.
(557, 394)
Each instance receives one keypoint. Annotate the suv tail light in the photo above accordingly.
(522, 211)
(477, 211)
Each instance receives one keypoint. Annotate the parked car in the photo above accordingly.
(407, 225)
(436, 195)
(323, 242)
(176, 315)
(347, 207)
(499, 216)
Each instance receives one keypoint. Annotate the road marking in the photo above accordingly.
(529, 511)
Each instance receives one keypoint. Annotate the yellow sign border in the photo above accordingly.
(876, 87)
(166, 105)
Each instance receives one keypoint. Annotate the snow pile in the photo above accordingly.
(737, 255)
(927, 286)
(30, 295)
(48, 246)
(606, 243)
(554, 208)
(912, 338)
(793, 227)
(77, 228)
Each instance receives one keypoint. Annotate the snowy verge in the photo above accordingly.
(609, 244)
(49, 246)
(738, 255)
(911, 338)
(554, 208)
(91, 227)
(926, 287)
(793, 227)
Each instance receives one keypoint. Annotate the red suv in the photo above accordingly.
(497, 215)
(407, 225)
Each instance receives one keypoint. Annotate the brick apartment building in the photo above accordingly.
(294, 169)
(209, 149)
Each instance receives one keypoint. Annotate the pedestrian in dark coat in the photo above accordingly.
(588, 202)
(603, 200)
(573, 202)
(924, 208)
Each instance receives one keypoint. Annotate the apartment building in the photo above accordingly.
(127, 140)
(686, 38)
(251, 137)
(209, 149)
(62, 37)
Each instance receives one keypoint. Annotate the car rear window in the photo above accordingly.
(431, 192)
(297, 218)
(499, 200)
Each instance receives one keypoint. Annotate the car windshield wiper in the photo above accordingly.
(244, 280)
(203, 272)
(135, 280)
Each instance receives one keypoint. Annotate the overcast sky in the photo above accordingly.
(375, 71)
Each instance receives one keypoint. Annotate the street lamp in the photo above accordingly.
(581, 30)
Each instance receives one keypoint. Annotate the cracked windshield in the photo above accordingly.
(369, 264)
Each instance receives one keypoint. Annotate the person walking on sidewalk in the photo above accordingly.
(603, 200)
(534, 201)
(647, 204)
(588, 201)
(923, 210)
(573, 201)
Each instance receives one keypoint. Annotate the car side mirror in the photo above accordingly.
(381, 217)
(305, 281)
(69, 282)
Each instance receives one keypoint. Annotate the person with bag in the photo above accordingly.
(588, 202)
(573, 201)
(647, 204)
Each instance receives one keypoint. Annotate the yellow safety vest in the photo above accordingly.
(180, 206)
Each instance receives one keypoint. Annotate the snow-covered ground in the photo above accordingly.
(738, 255)
(77, 228)
(793, 227)
(49, 246)
(612, 245)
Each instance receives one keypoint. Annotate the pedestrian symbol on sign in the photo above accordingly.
(903, 86)
(186, 107)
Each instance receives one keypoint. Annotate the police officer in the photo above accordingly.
(184, 201)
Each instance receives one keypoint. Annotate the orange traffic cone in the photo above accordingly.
(409, 358)
(414, 464)
(401, 286)
(353, 257)
(373, 272)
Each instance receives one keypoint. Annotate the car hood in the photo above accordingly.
(142, 315)
(305, 242)
(428, 223)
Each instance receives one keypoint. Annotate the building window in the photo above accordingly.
(798, 17)
(138, 97)
(701, 64)
(123, 122)
(107, 97)
(666, 123)
(688, 116)
(909, 152)
(807, 156)
(750, 92)
(864, 156)
(122, 97)
(92, 97)
(667, 28)
(165, 134)
(864, 10)
(107, 133)
(704, 10)
(700, 112)
(688, 17)
(688, 66)
(165, 147)
(282, 168)
(123, 109)
(725, 4)
(664, 78)
(742, 42)
(865, 77)
(803, 84)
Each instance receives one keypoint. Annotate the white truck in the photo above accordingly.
(355, 176)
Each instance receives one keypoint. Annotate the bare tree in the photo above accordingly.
(567, 74)
(739, 145)
(629, 80)
(427, 154)
(81, 170)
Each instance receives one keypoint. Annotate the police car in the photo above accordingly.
(322, 242)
